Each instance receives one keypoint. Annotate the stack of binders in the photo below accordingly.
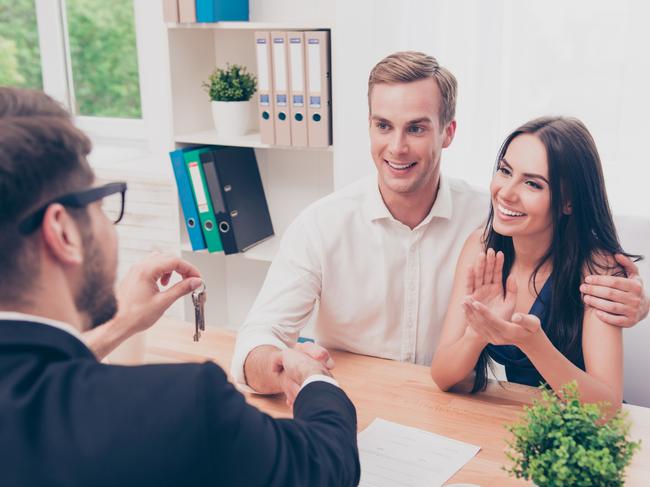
(205, 10)
(293, 70)
(222, 198)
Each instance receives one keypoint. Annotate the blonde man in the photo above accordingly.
(377, 256)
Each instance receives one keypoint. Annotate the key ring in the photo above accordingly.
(197, 291)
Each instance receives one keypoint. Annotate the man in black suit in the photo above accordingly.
(67, 419)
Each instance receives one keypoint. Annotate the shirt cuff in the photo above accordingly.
(319, 377)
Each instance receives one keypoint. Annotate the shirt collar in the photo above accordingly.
(15, 316)
(375, 208)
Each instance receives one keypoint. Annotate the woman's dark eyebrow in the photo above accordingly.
(526, 174)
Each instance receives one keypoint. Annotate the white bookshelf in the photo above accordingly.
(264, 251)
(251, 139)
(248, 26)
(293, 177)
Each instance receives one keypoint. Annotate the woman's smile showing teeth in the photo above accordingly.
(507, 212)
(400, 166)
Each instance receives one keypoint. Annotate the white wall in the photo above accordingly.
(514, 61)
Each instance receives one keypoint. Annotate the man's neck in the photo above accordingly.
(412, 208)
(49, 297)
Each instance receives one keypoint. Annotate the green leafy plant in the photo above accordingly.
(565, 443)
(234, 83)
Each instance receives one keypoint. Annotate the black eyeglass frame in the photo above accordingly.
(79, 199)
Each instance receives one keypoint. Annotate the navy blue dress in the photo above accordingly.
(518, 368)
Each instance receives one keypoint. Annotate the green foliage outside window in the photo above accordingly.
(565, 443)
(104, 58)
(102, 49)
(20, 58)
(234, 83)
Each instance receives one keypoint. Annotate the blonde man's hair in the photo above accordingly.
(408, 66)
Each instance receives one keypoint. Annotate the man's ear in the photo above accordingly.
(61, 235)
(450, 131)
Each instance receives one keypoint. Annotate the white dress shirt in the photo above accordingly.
(15, 316)
(377, 287)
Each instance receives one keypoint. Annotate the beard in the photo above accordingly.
(96, 298)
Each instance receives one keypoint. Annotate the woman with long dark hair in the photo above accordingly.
(517, 291)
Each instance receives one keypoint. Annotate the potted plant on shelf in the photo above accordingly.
(230, 92)
(565, 443)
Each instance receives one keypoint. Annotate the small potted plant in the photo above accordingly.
(230, 91)
(565, 443)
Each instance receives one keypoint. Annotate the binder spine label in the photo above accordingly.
(314, 70)
(197, 183)
(262, 67)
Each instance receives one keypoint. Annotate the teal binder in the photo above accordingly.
(202, 199)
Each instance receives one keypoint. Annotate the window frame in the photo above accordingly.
(57, 73)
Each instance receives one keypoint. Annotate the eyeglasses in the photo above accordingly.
(112, 196)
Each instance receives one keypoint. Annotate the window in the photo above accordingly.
(103, 58)
(20, 58)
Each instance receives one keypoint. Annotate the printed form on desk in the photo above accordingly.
(393, 455)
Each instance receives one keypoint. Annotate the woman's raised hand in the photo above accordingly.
(484, 284)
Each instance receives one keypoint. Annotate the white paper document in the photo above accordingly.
(393, 455)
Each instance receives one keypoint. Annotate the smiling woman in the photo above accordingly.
(520, 304)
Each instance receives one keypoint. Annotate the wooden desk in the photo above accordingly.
(403, 393)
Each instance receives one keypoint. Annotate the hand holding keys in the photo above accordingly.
(199, 297)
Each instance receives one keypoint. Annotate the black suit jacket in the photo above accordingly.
(68, 420)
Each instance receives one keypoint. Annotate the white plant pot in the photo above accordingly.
(231, 117)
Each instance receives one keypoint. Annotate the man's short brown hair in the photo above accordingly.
(409, 66)
(42, 156)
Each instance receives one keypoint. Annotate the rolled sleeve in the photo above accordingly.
(286, 300)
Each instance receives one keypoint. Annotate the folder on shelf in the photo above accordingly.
(202, 198)
(265, 87)
(238, 197)
(186, 197)
(224, 222)
(281, 88)
(221, 10)
(170, 10)
(186, 11)
(318, 88)
(296, 45)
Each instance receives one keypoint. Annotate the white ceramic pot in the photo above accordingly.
(231, 117)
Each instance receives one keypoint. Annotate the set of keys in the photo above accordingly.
(199, 297)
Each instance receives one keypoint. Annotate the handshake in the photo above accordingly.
(294, 365)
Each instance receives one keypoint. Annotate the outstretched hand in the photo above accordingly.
(498, 331)
(141, 302)
(294, 366)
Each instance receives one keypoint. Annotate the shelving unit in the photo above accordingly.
(292, 177)
(248, 26)
(251, 139)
